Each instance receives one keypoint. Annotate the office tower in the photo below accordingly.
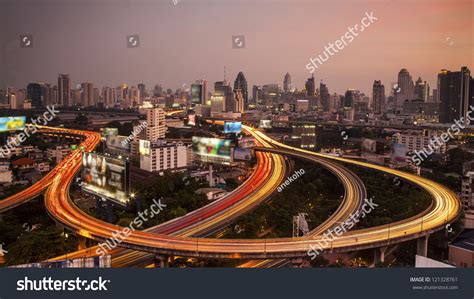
(134, 96)
(422, 90)
(87, 94)
(3, 97)
(108, 97)
(378, 96)
(453, 93)
(217, 103)
(434, 98)
(97, 97)
(404, 90)
(64, 90)
(223, 88)
(287, 83)
(157, 90)
(155, 118)
(199, 92)
(349, 98)
(257, 94)
(324, 96)
(241, 83)
(34, 94)
(143, 92)
(310, 86)
(47, 93)
(240, 101)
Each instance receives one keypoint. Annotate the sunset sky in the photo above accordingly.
(193, 39)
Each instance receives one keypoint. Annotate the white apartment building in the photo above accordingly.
(6, 176)
(419, 140)
(467, 188)
(155, 118)
(58, 153)
(161, 156)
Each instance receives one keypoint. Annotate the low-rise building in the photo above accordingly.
(24, 163)
(161, 156)
(461, 250)
(58, 153)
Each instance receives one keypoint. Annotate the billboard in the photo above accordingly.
(212, 150)
(12, 123)
(399, 152)
(369, 145)
(265, 124)
(105, 176)
(118, 143)
(144, 147)
(232, 127)
(242, 154)
(246, 142)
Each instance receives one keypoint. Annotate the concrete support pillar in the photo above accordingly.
(162, 261)
(422, 246)
(379, 254)
(81, 243)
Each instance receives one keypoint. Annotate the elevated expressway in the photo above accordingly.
(445, 208)
(201, 223)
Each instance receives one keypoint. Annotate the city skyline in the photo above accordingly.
(96, 51)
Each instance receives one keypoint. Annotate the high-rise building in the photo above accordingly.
(47, 93)
(241, 83)
(87, 94)
(217, 103)
(287, 83)
(310, 86)
(257, 94)
(64, 90)
(199, 92)
(349, 98)
(240, 101)
(157, 90)
(324, 95)
(404, 90)
(453, 94)
(378, 96)
(108, 97)
(156, 126)
(422, 90)
(223, 88)
(34, 94)
(143, 92)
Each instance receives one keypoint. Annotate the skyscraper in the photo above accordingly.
(156, 126)
(378, 96)
(239, 99)
(310, 86)
(453, 94)
(64, 90)
(257, 94)
(34, 94)
(422, 90)
(199, 92)
(241, 83)
(87, 94)
(324, 94)
(287, 83)
(404, 90)
(142, 89)
(108, 97)
(349, 98)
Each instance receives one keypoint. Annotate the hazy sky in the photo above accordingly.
(193, 39)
